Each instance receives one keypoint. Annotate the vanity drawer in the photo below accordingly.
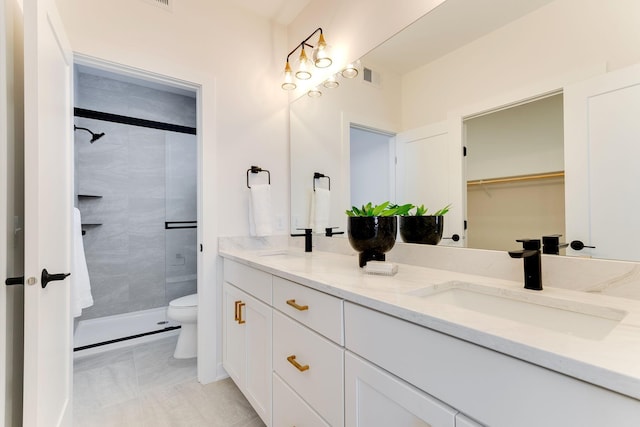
(290, 410)
(254, 282)
(318, 376)
(319, 311)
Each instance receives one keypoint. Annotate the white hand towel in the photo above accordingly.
(260, 210)
(321, 209)
(80, 285)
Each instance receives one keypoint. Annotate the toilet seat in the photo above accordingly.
(185, 302)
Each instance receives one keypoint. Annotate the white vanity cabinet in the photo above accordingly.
(247, 324)
(308, 358)
(495, 389)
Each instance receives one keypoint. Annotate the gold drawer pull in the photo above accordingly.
(293, 304)
(235, 316)
(299, 367)
(240, 320)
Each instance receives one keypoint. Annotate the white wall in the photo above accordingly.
(236, 58)
(353, 27)
(555, 40)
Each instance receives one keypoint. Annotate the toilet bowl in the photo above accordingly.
(185, 311)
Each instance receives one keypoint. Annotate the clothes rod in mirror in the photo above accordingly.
(518, 178)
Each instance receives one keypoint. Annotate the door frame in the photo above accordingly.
(197, 88)
(531, 92)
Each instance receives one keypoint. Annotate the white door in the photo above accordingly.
(48, 202)
(4, 60)
(602, 131)
(429, 172)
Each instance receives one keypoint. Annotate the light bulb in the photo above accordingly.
(304, 67)
(288, 83)
(314, 93)
(322, 54)
(331, 82)
(351, 70)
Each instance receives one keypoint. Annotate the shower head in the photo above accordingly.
(94, 136)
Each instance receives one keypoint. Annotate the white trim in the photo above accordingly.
(208, 312)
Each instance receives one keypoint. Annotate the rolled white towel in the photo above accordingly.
(80, 285)
(321, 209)
(260, 210)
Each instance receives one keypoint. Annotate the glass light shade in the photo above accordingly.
(288, 83)
(350, 71)
(322, 54)
(314, 93)
(304, 67)
(331, 83)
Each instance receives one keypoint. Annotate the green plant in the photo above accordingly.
(422, 211)
(383, 209)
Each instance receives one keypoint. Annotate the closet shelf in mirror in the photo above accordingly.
(518, 178)
(88, 196)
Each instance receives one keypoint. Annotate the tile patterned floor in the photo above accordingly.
(144, 385)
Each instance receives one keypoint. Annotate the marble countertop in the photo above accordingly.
(610, 360)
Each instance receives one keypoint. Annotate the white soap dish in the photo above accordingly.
(381, 267)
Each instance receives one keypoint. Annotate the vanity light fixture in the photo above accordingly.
(320, 55)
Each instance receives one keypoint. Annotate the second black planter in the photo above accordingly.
(372, 236)
(426, 230)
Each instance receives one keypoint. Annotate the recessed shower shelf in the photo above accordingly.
(88, 224)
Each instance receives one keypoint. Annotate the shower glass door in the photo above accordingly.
(181, 215)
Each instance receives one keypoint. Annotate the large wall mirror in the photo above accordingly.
(490, 76)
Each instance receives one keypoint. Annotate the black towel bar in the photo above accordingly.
(318, 175)
(257, 169)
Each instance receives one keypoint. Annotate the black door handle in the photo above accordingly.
(14, 281)
(45, 278)
(577, 245)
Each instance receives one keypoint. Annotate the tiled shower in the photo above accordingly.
(136, 189)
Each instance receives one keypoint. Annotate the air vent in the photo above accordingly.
(164, 4)
(370, 76)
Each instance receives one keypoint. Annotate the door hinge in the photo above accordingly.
(465, 224)
(464, 151)
(201, 247)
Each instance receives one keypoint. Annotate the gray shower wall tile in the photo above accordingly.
(110, 296)
(116, 97)
(129, 168)
(180, 289)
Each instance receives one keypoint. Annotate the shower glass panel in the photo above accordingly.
(181, 214)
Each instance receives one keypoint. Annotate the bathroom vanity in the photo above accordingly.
(423, 347)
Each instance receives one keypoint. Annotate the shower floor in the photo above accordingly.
(143, 326)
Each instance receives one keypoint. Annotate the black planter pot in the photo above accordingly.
(372, 236)
(426, 230)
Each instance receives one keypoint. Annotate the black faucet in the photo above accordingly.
(530, 254)
(551, 244)
(307, 238)
(329, 231)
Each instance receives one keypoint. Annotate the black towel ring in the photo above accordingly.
(318, 175)
(257, 169)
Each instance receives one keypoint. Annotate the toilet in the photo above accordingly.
(185, 311)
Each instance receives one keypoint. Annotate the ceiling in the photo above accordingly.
(281, 11)
(446, 28)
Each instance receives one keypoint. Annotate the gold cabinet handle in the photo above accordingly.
(292, 359)
(235, 316)
(240, 320)
(293, 304)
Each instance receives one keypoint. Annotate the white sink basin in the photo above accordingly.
(529, 307)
